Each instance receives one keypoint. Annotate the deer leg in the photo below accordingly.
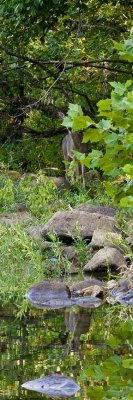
(83, 174)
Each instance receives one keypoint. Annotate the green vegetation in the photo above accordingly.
(112, 378)
(62, 56)
(72, 58)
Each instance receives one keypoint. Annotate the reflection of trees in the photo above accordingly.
(77, 322)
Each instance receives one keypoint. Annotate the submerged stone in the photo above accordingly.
(53, 385)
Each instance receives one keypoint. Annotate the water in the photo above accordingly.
(68, 342)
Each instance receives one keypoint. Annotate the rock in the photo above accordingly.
(70, 252)
(129, 232)
(59, 181)
(35, 232)
(49, 294)
(103, 238)
(67, 224)
(57, 295)
(125, 298)
(75, 267)
(15, 218)
(105, 210)
(123, 291)
(15, 175)
(104, 258)
(53, 385)
(129, 241)
(92, 287)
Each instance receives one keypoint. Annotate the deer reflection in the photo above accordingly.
(78, 322)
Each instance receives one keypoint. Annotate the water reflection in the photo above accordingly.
(64, 342)
(77, 322)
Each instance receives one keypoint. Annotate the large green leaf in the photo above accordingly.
(93, 135)
(128, 363)
(81, 122)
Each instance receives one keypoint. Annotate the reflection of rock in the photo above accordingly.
(53, 385)
(104, 258)
(92, 287)
(123, 291)
(78, 323)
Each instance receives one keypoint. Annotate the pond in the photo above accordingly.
(91, 346)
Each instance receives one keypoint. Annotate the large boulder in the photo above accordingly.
(92, 208)
(105, 258)
(68, 224)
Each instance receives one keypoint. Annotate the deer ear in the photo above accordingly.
(61, 115)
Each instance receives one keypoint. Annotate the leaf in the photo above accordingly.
(111, 139)
(119, 87)
(74, 109)
(104, 125)
(95, 156)
(104, 105)
(126, 201)
(113, 341)
(92, 135)
(130, 396)
(81, 122)
(110, 189)
(68, 122)
(128, 363)
(128, 168)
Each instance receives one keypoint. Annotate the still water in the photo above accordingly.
(93, 347)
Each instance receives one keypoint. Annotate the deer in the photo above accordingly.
(73, 142)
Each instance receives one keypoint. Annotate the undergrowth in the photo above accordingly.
(23, 261)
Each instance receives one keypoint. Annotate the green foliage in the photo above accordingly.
(110, 139)
(125, 49)
(38, 194)
(113, 138)
(32, 155)
(21, 266)
(111, 374)
(7, 193)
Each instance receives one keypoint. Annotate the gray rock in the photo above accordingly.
(53, 385)
(104, 258)
(103, 238)
(57, 295)
(49, 294)
(105, 210)
(59, 181)
(15, 218)
(67, 224)
(36, 233)
(70, 252)
(92, 287)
